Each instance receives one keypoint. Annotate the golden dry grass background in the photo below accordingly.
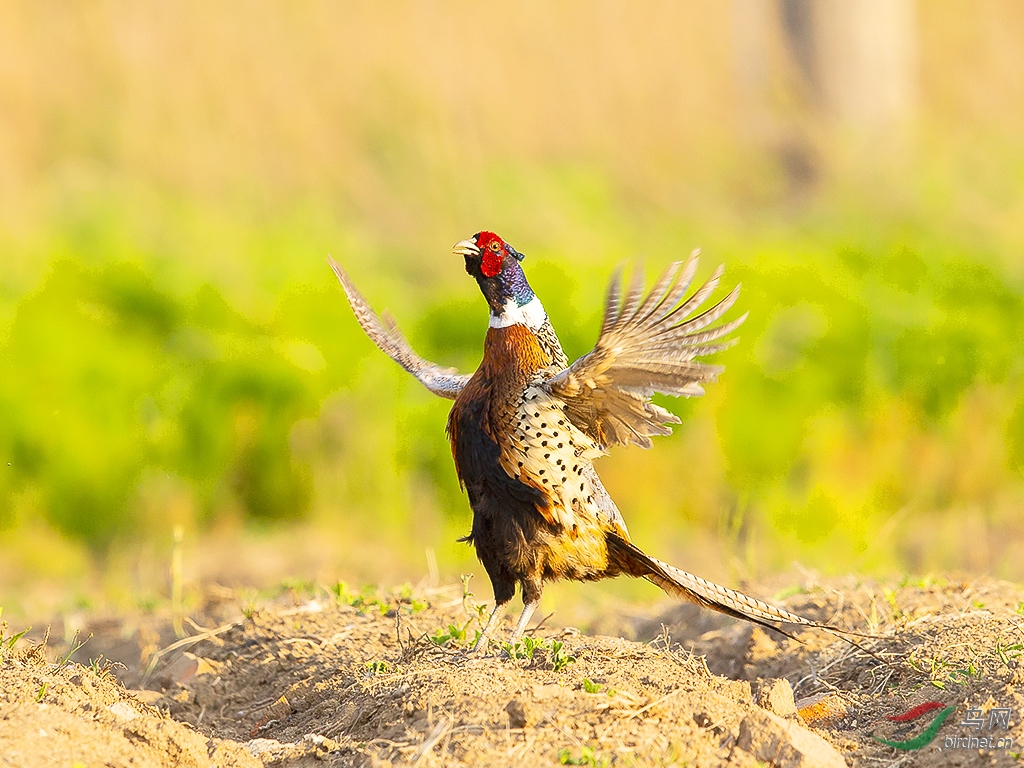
(184, 168)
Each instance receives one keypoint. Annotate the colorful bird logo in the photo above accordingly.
(928, 734)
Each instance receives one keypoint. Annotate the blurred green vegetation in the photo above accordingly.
(174, 349)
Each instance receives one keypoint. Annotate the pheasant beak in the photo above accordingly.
(466, 248)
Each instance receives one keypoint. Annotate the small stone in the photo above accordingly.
(784, 743)
(181, 669)
(520, 715)
(777, 697)
(123, 712)
(185, 667)
(265, 748)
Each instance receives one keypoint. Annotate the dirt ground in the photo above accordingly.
(318, 677)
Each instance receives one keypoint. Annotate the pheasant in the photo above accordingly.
(526, 427)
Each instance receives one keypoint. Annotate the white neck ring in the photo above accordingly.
(531, 314)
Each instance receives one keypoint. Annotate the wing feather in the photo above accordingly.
(647, 344)
(383, 332)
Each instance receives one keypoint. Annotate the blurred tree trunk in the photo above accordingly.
(856, 55)
(807, 69)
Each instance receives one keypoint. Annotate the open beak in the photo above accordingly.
(466, 248)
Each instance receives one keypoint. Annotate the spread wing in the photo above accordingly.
(646, 345)
(445, 382)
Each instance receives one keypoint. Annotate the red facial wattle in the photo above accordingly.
(491, 261)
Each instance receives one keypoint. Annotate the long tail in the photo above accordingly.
(707, 594)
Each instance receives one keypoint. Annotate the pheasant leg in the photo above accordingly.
(481, 642)
(524, 619)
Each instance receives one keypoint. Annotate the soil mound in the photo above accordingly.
(328, 678)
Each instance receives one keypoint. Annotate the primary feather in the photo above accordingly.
(445, 382)
(646, 345)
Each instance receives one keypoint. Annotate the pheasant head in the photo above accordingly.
(495, 265)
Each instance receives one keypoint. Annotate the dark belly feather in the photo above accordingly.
(514, 541)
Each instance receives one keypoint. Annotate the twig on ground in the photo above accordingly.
(440, 730)
(183, 643)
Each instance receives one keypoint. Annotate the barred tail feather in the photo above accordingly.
(710, 595)
(707, 594)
